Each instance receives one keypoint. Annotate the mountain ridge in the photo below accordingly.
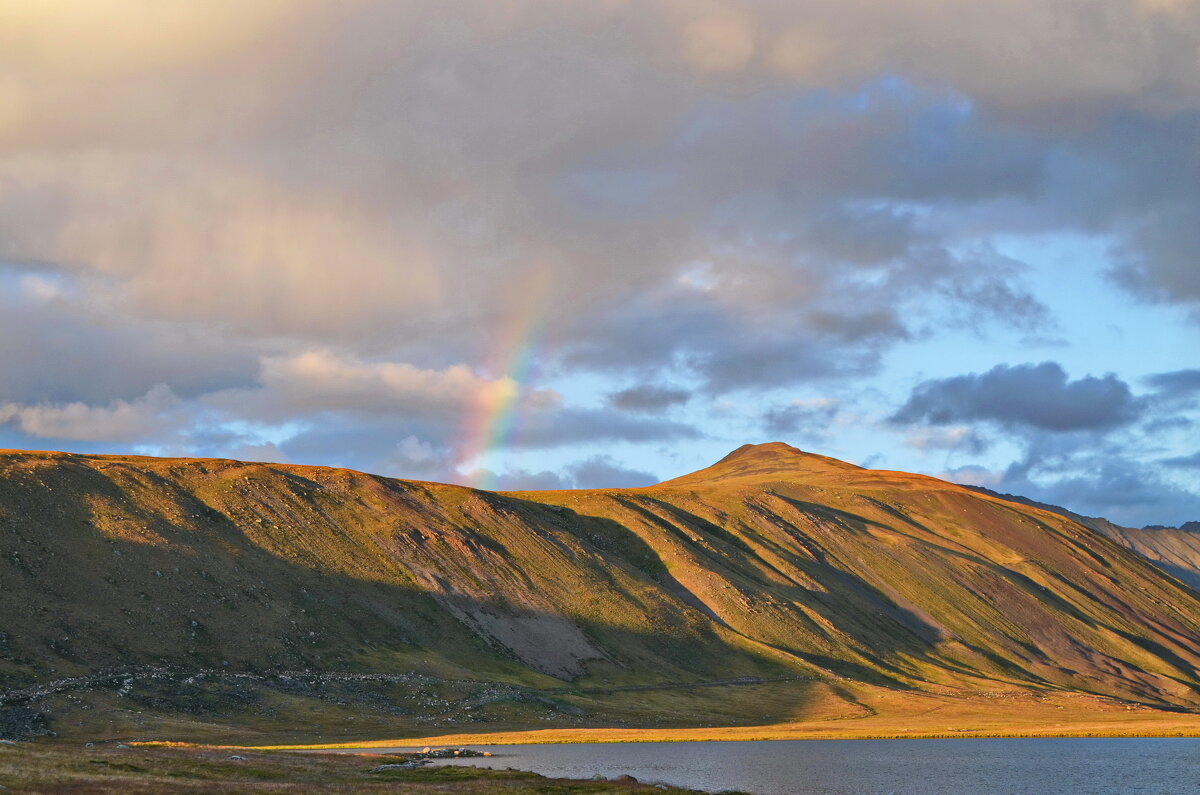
(773, 565)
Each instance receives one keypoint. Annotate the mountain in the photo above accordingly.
(151, 592)
(1175, 550)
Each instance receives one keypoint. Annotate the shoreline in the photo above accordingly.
(1087, 730)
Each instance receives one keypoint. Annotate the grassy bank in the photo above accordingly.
(74, 768)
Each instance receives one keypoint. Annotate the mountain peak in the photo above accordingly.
(764, 450)
(759, 460)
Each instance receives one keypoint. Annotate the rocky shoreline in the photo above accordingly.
(428, 755)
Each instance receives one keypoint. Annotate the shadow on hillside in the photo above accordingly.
(878, 628)
(195, 592)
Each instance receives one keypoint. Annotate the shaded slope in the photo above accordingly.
(121, 560)
(772, 563)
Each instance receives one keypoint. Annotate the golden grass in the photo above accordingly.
(902, 716)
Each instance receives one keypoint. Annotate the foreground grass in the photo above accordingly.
(62, 768)
(886, 715)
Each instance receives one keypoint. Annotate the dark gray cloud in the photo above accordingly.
(476, 139)
(1108, 478)
(1089, 445)
(1184, 462)
(779, 315)
(56, 345)
(1033, 396)
(1161, 260)
(1109, 485)
(801, 419)
(602, 472)
(597, 472)
(1178, 383)
(648, 398)
(569, 426)
(703, 334)
(524, 480)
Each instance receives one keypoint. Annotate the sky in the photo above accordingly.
(554, 244)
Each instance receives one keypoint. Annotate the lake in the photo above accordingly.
(783, 767)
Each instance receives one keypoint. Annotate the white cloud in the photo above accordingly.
(323, 381)
(148, 417)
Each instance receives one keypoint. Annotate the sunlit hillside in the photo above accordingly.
(184, 594)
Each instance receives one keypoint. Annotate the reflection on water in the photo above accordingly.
(782, 767)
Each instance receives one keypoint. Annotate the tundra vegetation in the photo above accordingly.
(777, 593)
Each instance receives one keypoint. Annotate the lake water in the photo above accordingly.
(783, 767)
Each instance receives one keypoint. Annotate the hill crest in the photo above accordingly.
(766, 460)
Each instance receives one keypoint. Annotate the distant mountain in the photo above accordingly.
(210, 588)
(1175, 550)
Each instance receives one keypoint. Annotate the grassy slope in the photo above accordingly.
(845, 583)
(1174, 550)
(59, 768)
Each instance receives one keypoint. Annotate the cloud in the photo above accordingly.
(525, 480)
(1109, 485)
(60, 341)
(706, 336)
(569, 426)
(1030, 396)
(596, 472)
(475, 151)
(1160, 255)
(943, 438)
(648, 398)
(1184, 462)
(602, 472)
(399, 419)
(317, 381)
(974, 475)
(809, 419)
(1107, 479)
(150, 417)
(1178, 383)
(327, 227)
(418, 459)
(1089, 445)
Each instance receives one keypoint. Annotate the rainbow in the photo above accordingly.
(492, 414)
